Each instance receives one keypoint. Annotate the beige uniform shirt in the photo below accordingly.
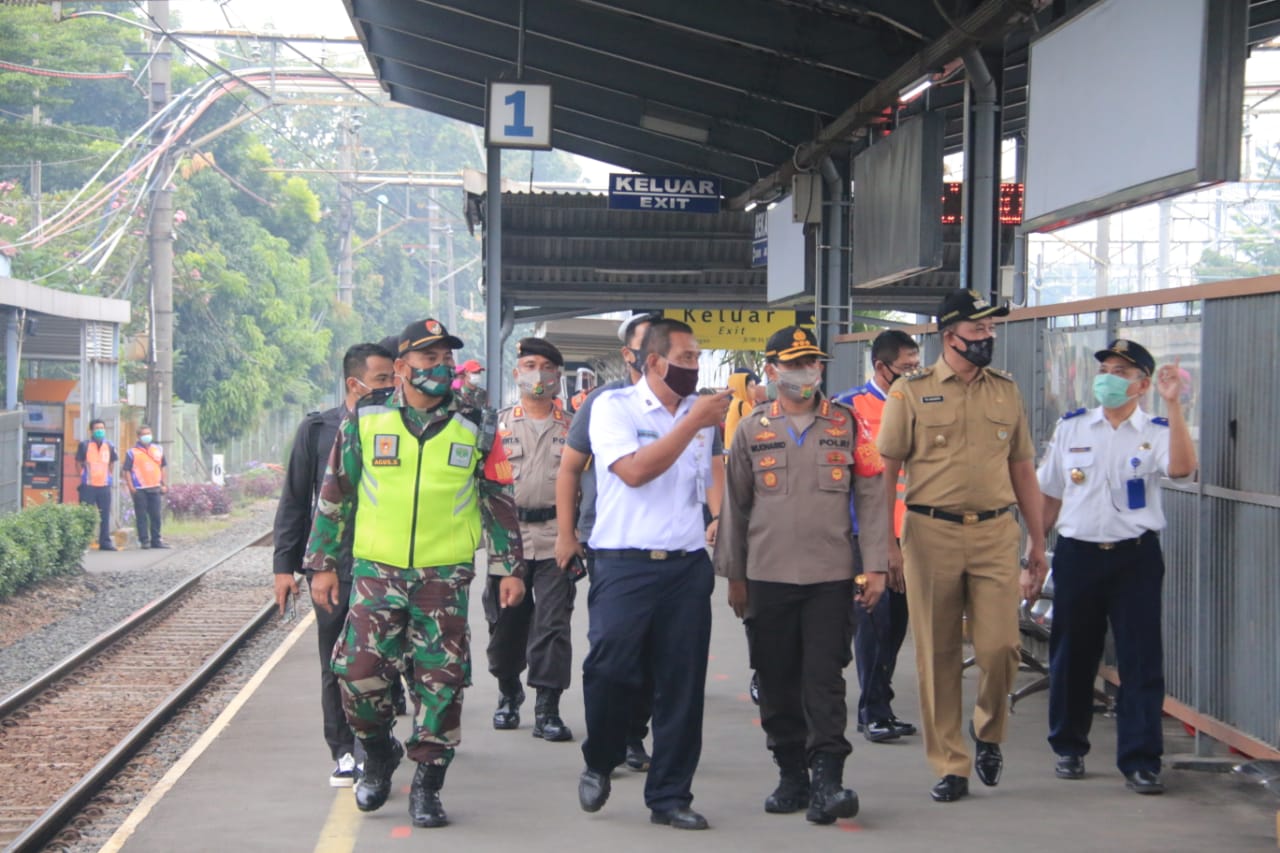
(786, 513)
(956, 439)
(535, 462)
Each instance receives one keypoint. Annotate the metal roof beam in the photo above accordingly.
(560, 26)
(815, 38)
(989, 20)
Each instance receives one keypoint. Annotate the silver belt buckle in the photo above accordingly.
(657, 555)
(1106, 546)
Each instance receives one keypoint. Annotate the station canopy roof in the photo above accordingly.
(743, 90)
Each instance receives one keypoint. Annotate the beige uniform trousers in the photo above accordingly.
(954, 571)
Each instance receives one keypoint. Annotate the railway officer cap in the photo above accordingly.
(629, 324)
(967, 305)
(426, 333)
(1134, 353)
(538, 346)
(792, 342)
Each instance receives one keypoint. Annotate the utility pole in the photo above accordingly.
(346, 210)
(452, 283)
(433, 253)
(160, 381)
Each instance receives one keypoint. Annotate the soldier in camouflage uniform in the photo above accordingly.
(419, 477)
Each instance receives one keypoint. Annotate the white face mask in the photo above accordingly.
(799, 383)
(473, 378)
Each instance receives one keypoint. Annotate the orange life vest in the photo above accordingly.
(146, 466)
(97, 464)
(871, 409)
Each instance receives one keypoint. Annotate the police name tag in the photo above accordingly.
(460, 455)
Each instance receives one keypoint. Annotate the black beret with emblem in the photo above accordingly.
(426, 333)
(792, 342)
(539, 346)
(967, 305)
(1134, 353)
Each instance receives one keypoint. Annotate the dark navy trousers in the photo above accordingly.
(659, 611)
(1091, 587)
(876, 641)
(99, 496)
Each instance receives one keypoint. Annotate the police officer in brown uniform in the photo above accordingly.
(536, 631)
(788, 547)
(959, 429)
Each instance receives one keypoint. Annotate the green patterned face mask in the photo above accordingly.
(432, 381)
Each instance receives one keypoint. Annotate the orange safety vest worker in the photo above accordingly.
(144, 467)
(97, 464)
(868, 402)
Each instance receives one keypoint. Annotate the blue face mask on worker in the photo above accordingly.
(145, 439)
(1111, 391)
(432, 381)
(538, 383)
(99, 434)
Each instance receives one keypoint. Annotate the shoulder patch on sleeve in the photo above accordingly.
(1074, 413)
(1164, 422)
(1008, 377)
(918, 374)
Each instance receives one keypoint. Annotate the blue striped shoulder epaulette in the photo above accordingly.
(1164, 422)
(1074, 413)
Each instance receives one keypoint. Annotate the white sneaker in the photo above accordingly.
(344, 774)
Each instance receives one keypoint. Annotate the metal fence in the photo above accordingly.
(1222, 540)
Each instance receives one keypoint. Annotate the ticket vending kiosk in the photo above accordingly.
(41, 468)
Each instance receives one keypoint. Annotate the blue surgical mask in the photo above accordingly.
(99, 434)
(432, 381)
(145, 439)
(1111, 391)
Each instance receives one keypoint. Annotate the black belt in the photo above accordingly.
(1110, 546)
(640, 554)
(545, 513)
(958, 517)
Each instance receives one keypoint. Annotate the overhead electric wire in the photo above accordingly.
(68, 75)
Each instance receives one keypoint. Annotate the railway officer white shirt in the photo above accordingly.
(1088, 467)
(665, 513)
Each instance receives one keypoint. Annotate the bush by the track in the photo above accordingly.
(42, 542)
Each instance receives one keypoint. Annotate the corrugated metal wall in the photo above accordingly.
(1222, 541)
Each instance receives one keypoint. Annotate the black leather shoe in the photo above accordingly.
(989, 762)
(546, 717)
(1069, 767)
(593, 789)
(1144, 782)
(903, 728)
(949, 789)
(879, 731)
(681, 818)
(382, 757)
(637, 757)
(753, 689)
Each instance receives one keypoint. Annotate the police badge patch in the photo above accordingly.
(386, 449)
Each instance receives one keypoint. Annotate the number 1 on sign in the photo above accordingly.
(516, 101)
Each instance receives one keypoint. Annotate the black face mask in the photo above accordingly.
(683, 381)
(979, 352)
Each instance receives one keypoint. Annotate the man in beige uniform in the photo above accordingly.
(960, 430)
(789, 550)
(535, 632)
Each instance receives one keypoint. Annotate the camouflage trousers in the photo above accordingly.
(421, 615)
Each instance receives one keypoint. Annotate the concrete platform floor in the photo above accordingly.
(262, 784)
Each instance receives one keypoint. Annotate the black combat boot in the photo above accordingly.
(828, 797)
(510, 698)
(382, 757)
(424, 797)
(546, 716)
(792, 793)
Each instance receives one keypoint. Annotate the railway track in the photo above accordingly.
(64, 734)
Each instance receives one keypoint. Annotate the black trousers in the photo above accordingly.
(328, 631)
(876, 641)
(642, 709)
(146, 511)
(99, 496)
(536, 631)
(1092, 587)
(799, 638)
(659, 611)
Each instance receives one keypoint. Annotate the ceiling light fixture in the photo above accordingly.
(914, 90)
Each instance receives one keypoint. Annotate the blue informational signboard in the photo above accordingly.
(664, 192)
(760, 241)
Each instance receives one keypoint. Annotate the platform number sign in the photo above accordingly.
(518, 115)
(217, 470)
